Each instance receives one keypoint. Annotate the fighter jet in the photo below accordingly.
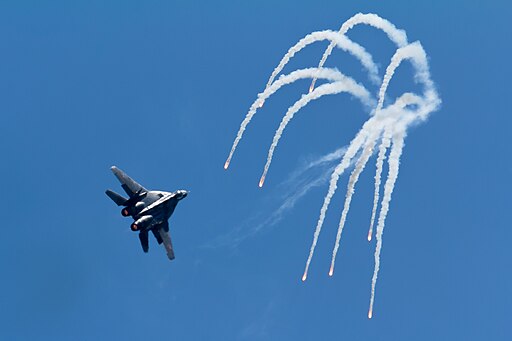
(150, 210)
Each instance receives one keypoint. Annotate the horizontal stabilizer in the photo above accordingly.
(117, 198)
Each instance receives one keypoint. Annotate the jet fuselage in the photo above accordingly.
(150, 210)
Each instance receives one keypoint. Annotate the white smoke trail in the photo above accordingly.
(399, 37)
(336, 39)
(415, 52)
(371, 126)
(394, 163)
(328, 74)
(390, 71)
(402, 102)
(383, 147)
(346, 85)
(400, 118)
(400, 54)
(307, 165)
(361, 163)
(418, 57)
(337, 154)
(353, 148)
(429, 103)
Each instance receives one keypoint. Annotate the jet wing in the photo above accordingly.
(163, 230)
(130, 186)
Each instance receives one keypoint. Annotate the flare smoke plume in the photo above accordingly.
(385, 129)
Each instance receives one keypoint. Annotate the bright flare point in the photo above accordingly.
(304, 277)
(369, 236)
(226, 165)
(370, 314)
(331, 271)
(262, 180)
(261, 104)
(311, 88)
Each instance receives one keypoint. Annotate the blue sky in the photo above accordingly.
(159, 88)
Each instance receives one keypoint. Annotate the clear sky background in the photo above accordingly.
(159, 89)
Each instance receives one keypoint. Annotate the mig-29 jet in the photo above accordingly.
(150, 210)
